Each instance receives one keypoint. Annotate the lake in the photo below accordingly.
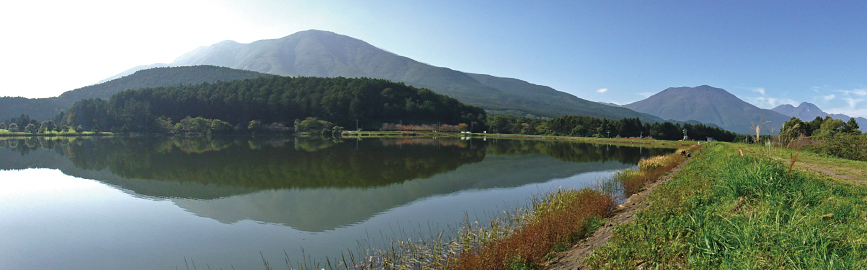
(229, 202)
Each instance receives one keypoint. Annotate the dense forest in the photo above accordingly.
(584, 126)
(283, 100)
(45, 108)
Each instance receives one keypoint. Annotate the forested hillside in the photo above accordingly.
(46, 108)
(274, 99)
(326, 54)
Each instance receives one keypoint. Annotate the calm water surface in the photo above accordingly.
(154, 202)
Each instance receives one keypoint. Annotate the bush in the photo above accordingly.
(848, 146)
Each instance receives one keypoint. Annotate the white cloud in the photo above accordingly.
(857, 92)
(853, 101)
(771, 102)
(759, 90)
(767, 102)
(850, 112)
(829, 97)
(645, 94)
(602, 90)
(852, 109)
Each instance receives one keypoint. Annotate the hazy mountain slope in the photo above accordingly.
(45, 108)
(808, 111)
(37, 108)
(709, 105)
(156, 77)
(133, 70)
(532, 95)
(325, 54)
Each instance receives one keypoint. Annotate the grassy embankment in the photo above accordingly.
(523, 239)
(727, 211)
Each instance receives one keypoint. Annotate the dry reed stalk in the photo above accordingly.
(792, 163)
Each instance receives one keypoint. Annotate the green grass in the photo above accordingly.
(853, 168)
(724, 211)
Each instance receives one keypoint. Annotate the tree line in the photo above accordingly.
(828, 136)
(585, 126)
(275, 103)
(345, 102)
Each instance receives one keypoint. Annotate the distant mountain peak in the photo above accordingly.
(707, 104)
(318, 53)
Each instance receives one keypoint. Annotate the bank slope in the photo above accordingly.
(727, 211)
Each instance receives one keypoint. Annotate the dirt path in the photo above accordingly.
(830, 172)
(574, 257)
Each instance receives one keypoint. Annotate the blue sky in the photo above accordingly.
(766, 52)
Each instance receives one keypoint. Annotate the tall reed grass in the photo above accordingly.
(650, 170)
(558, 220)
(517, 239)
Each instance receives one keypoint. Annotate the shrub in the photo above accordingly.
(848, 146)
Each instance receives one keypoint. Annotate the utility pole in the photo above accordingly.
(609, 133)
(641, 135)
(356, 124)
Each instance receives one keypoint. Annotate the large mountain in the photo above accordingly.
(808, 111)
(709, 105)
(45, 108)
(325, 54)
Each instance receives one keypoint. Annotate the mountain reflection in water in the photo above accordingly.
(309, 185)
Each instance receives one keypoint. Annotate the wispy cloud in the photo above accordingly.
(602, 90)
(850, 112)
(758, 90)
(853, 101)
(857, 92)
(771, 102)
(765, 101)
(829, 97)
(645, 94)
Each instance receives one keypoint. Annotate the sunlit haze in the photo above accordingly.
(765, 52)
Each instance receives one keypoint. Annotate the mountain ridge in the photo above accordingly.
(326, 54)
(708, 105)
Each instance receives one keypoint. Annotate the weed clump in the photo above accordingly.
(558, 221)
(650, 170)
